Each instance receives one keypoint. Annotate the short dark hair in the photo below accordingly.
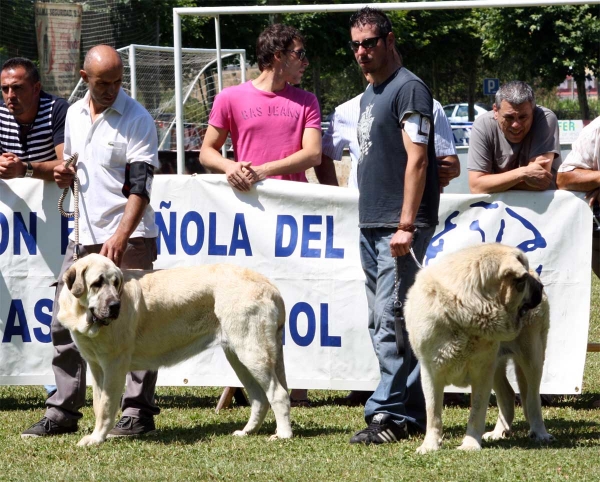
(30, 69)
(275, 38)
(372, 16)
(515, 92)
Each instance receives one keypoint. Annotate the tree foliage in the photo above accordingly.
(443, 48)
(451, 50)
(543, 45)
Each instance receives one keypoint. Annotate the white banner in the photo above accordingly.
(305, 238)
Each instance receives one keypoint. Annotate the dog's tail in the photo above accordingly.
(279, 364)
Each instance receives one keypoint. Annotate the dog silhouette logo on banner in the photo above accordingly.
(482, 224)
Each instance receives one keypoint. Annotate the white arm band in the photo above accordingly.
(417, 127)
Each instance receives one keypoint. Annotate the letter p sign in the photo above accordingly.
(490, 86)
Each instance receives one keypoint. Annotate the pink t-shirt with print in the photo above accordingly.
(266, 126)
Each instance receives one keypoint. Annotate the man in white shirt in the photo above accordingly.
(580, 171)
(116, 140)
(341, 133)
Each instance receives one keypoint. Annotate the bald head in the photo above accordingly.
(102, 57)
(103, 72)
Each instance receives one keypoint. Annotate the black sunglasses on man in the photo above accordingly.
(367, 43)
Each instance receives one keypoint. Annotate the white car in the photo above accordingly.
(460, 112)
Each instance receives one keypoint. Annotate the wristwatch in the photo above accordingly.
(29, 171)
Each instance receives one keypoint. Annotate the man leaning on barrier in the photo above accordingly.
(275, 127)
(116, 141)
(32, 123)
(515, 146)
(581, 172)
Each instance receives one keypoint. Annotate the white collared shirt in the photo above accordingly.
(122, 134)
(342, 133)
(585, 153)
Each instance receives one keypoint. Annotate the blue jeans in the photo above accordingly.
(399, 393)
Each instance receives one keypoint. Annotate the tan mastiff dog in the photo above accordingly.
(466, 316)
(142, 320)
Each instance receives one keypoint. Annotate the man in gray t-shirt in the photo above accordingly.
(516, 146)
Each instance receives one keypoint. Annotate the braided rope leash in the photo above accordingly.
(75, 213)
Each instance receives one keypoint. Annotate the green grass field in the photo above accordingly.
(194, 443)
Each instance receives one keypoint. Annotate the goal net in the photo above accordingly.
(149, 77)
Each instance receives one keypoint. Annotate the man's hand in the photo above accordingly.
(64, 175)
(593, 196)
(239, 175)
(11, 166)
(400, 243)
(114, 248)
(256, 173)
(448, 169)
(536, 176)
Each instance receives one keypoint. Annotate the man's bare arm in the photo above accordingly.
(115, 246)
(325, 171)
(211, 158)
(448, 168)
(536, 176)
(11, 166)
(414, 185)
(578, 180)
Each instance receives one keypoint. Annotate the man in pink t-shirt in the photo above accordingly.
(275, 127)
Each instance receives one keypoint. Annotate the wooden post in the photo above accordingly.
(229, 393)
(593, 347)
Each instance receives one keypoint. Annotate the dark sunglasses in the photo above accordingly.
(301, 53)
(367, 43)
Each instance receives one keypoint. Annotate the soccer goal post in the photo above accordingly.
(217, 11)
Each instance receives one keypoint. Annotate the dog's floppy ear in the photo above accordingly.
(74, 279)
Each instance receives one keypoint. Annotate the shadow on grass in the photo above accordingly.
(567, 433)
(187, 401)
(17, 403)
(206, 432)
(577, 402)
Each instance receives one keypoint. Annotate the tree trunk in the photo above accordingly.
(584, 107)
(471, 94)
(316, 76)
(434, 84)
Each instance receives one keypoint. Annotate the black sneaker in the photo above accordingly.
(46, 427)
(132, 427)
(381, 430)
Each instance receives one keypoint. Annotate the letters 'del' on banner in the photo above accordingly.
(304, 237)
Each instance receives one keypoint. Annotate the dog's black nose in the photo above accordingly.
(114, 307)
(536, 289)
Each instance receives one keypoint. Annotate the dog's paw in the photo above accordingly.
(544, 437)
(469, 443)
(429, 446)
(282, 434)
(496, 435)
(89, 440)
(240, 433)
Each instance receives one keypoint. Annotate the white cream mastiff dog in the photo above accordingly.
(466, 316)
(144, 320)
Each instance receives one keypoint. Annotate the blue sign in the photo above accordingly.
(490, 86)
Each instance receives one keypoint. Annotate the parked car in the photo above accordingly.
(460, 112)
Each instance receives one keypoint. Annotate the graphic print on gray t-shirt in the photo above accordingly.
(383, 158)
